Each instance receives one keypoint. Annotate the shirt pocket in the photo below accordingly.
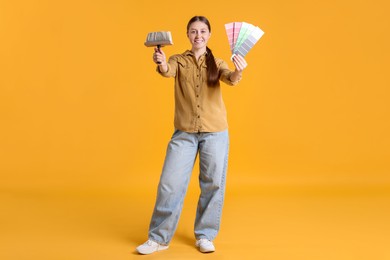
(184, 72)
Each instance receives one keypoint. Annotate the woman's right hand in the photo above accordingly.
(159, 57)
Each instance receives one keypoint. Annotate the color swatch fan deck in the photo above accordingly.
(242, 37)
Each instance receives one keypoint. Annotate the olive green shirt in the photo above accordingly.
(198, 107)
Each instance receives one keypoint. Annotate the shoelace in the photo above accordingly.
(204, 241)
(150, 243)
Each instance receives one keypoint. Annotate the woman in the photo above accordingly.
(200, 128)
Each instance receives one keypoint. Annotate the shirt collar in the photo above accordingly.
(190, 53)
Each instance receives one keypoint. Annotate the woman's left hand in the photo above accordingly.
(239, 63)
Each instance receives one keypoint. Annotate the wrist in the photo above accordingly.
(163, 67)
(236, 76)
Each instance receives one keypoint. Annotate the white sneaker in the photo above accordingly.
(205, 245)
(150, 247)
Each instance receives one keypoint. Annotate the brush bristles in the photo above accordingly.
(158, 38)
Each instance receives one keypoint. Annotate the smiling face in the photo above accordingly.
(198, 33)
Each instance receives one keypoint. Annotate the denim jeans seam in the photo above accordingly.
(222, 193)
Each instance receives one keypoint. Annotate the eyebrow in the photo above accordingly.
(193, 29)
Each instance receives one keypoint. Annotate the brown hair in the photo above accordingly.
(212, 70)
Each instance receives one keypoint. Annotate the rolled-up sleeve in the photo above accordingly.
(225, 73)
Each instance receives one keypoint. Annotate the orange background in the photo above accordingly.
(82, 110)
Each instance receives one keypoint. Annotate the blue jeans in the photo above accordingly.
(182, 151)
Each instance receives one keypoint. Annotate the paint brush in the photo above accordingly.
(158, 39)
